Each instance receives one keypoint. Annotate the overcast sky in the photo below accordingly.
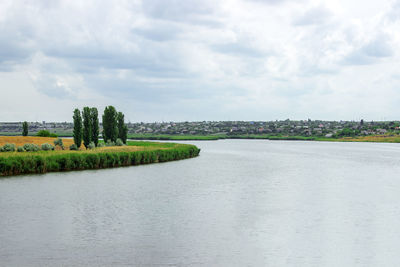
(178, 60)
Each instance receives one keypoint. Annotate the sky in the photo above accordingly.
(195, 60)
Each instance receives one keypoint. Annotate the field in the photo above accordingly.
(21, 140)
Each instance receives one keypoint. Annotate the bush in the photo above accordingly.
(101, 145)
(110, 143)
(9, 148)
(73, 147)
(119, 142)
(47, 147)
(20, 149)
(45, 133)
(31, 147)
(91, 145)
(59, 142)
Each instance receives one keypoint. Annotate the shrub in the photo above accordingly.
(47, 147)
(101, 145)
(31, 147)
(43, 133)
(20, 149)
(9, 148)
(91, 145)
(73, 147)
(59, 142)
(110, 143)
(119, 142)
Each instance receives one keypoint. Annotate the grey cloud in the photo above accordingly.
(274, 2)
(16, 43)
(378, 48)
(148, 58)
(313, 16)
(159, 32)
(185, 11)
(238, 49)
(163, 90)
(12, 53)
(394, 13)
(48, 85)
(370, 53)
(358, 58)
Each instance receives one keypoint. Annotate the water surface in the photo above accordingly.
(241, 203)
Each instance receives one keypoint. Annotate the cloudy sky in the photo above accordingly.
(178, 60)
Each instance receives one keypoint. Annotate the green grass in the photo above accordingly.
(173, 137)
(217, 137)
(136, 153)
(270, 137)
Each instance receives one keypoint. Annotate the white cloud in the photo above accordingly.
(233, 59)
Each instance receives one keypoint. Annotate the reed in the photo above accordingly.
(14, 163)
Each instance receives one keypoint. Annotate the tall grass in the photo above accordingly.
(55, 161)
(174, 137)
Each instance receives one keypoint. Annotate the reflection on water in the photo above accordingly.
(241, 203)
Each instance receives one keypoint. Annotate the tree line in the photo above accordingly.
(86, 126)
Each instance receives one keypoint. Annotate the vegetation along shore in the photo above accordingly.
(134, 153)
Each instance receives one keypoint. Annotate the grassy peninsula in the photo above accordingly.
(134, 153)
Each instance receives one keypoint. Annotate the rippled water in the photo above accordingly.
(241, 203)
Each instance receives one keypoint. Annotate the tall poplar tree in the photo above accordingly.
(110, 130)
(77, 128)
(94, 119)
(87, 126)
(122, 129)
(25, 128)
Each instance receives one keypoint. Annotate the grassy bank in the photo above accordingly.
(370, 138)
(175, 137)
(215, 137)
(136, 153)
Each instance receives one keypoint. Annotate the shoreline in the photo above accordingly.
(20, 163)
(367, 139)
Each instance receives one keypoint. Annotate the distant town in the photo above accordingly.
(275, 128)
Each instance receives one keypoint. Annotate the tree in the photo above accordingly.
(25, 128)
(122, 129)
(45, 133)
(94, 119)
(77, 128)
(87, 126)
(110, 130)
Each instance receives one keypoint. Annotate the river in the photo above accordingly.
(240, 203)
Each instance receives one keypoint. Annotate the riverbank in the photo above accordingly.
(135, 153)
(369, 138)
